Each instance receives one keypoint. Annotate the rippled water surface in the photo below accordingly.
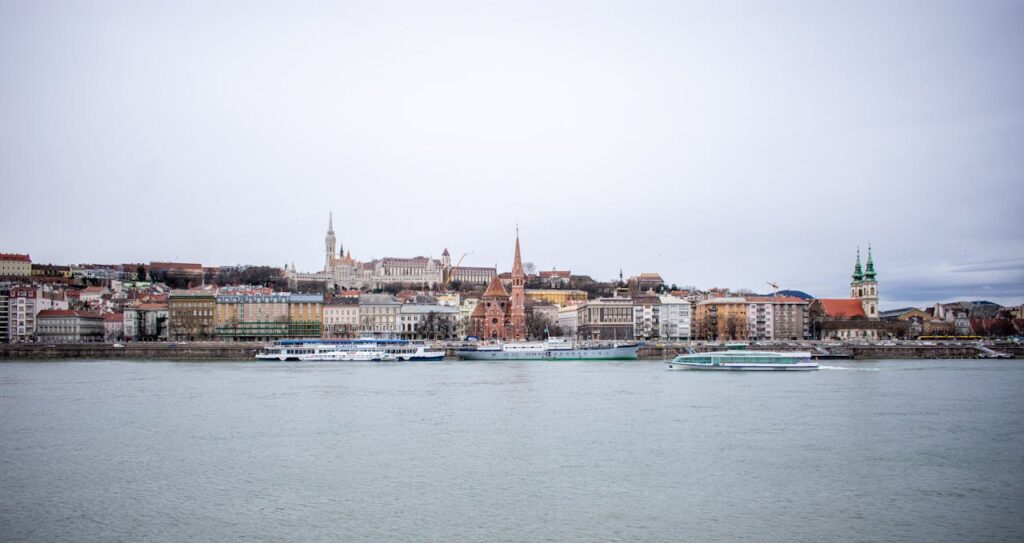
(519, 451)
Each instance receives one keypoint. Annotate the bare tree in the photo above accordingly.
(732, 326)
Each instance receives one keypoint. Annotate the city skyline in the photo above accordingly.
(719, 146)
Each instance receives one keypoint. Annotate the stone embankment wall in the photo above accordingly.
(132, 351)
(247, 351)
(857, 352)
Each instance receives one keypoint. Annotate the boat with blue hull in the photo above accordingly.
(350, 350)
(552, 349)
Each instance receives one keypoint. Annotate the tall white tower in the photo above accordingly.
(329, 241)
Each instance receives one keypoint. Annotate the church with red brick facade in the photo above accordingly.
(500, 315)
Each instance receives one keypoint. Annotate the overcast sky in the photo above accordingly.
(720, 144)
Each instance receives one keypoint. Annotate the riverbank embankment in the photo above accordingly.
(247, 351)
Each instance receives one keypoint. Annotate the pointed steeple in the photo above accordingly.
(869, 272)
(341, 249)
(858, 275)
(517, 262)
(329, 241)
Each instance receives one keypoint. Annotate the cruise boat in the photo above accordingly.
(737, 358)
(552, 349)
(349, 350)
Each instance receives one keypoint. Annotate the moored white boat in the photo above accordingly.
(552, 349)
(349, 350)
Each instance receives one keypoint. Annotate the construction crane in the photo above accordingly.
(455, 268)
(775, 287)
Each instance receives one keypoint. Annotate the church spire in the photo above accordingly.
(869, 272)
(517, 262)
(858, 275)
(329, 241)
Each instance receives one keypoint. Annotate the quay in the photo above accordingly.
(246, 351)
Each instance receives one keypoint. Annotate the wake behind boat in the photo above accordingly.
(552, 349)
(738, 359)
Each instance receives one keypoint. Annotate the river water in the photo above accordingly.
(519, 451)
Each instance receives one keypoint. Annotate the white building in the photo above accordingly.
(62, 325)
(341, 318)
(93, 295)
(760, 319)
(646, 317)
(146, 322)
(676, 317)
(567, 319)
(379, 315)
(341, 271)
(415, 316)
(465, 312)
(450, 299)
(22, 308)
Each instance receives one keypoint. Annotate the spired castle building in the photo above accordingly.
(342, 272)
(500, 315)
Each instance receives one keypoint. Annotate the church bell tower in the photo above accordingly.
(329, 241)
(864, 286)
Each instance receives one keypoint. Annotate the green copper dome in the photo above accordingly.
(869, 274)
(858, 275)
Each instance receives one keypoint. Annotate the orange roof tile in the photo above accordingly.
(842, 307)
(495, 289)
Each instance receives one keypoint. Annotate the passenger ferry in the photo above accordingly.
(552, 349)
(349, 350)
(737, 358)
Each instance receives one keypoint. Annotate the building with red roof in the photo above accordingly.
(15, 265)
(842, 308)
(856, 317)
(501, 315)
(68, 325)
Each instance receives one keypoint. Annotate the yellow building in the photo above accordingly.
(557, 297)
(305, 315)
(15, 265)
(252, 314)
(721, 319)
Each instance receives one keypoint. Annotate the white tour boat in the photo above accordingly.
(349, 350)
(736, 358)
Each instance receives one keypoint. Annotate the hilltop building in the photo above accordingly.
(15, 265)
(343, 272)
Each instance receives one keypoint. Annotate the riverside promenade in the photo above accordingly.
(223, 350)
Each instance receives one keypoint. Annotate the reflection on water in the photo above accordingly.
(527, 451)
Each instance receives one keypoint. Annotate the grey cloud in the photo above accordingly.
(718, 145)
